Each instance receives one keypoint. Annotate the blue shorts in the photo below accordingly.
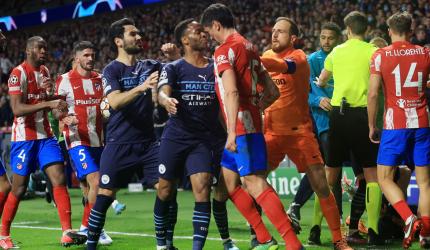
(194, 155)
(251, 155)
(119, 162)
(26, 156)
(2, 168)
(405, 146)
(85, 160)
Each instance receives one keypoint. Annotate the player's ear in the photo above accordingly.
(184, 40)
(118, 42)
(293, 39)
(216, 25)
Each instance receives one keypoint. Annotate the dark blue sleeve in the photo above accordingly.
(167, 76)
(110, 80)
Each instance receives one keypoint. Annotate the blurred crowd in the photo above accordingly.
(254, 19)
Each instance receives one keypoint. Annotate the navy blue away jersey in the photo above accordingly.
(132, 123)
(198, 108)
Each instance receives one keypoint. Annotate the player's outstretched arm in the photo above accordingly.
(372, 105)
(21, 109)
(271, 92)
(231, 102)
(118, 99)
(166, 101)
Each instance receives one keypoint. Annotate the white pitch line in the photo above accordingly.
(16, 225)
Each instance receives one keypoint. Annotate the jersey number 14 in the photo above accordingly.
(408, 82)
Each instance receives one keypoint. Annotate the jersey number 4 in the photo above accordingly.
(408, 82)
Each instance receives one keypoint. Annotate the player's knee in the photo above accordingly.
(5, 186)
(107, 192)
(19, 191)
(93, 180)
(165, 191)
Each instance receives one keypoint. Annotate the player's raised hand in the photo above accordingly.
(150, 82)
(171, 51)
(47, 84)
(374, 135)
(70, 120)
(325, 104)
(170, 105)
(231, 145)
(59, 104)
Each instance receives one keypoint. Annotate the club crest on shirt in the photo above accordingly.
(13, 79)
(162, 169)
(105, 179)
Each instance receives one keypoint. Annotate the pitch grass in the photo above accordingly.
(138, 220)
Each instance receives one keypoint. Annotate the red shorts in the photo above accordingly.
(302, 149)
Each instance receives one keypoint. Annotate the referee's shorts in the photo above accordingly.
(349, 133)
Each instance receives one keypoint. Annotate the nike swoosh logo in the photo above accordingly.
(76, 87)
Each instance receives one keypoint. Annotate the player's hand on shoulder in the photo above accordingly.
(325, 104)
(171, 51)
(150, 82)
(170, 105)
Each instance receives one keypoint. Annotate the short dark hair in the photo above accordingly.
(32, 40)
(180, 29)
(218, 12)
(357, 22)
(333, 27)
(116, 30)
(79, 46)
(400, 22)
(294, 29)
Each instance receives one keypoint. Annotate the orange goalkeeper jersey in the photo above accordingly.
(290, 113)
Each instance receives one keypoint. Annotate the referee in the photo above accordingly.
(349, 64)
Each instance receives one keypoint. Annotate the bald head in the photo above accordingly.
(32, 41)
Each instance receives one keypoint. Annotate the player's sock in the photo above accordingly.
(425, 231)
(331, 214)
(62, 199)
(161, 218)
(358, 205)
(96, 220)
(173, 215)
(274, 210)
(318, 215)
(373, 205)
(251, 230)
(244, 203)
(86, 214)
(201, 219)
(221, 219)
(403, 209)
(114, 203)
(3, 198)
(304, 192)
(10, 208)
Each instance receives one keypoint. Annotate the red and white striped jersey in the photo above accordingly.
(239, 54)
(404, 69)
(25, 80)
(83, 97)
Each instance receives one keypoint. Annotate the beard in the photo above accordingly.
(132, 50)
(87, 67)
